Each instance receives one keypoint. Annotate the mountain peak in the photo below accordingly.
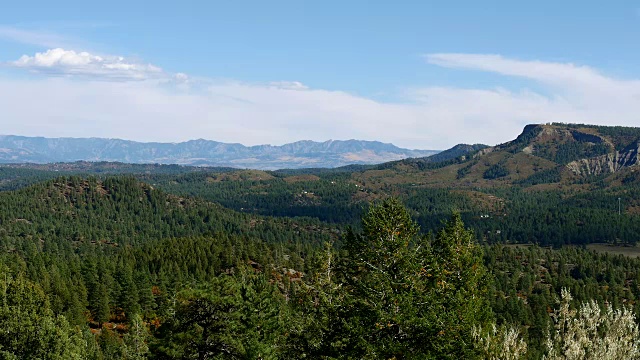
(200, 152)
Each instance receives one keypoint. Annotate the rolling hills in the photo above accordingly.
(525, 190)
(554, 184)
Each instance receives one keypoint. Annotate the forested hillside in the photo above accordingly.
(115, 269)
(411, 259)
(530, 190)
(103, 254)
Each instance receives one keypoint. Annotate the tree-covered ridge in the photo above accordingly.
(113, 255)
(237, 285)
(535, 210)
(123, 211)
(328, 197)
(620, 136)
(17, 176)
(521, 191)
(338, 195)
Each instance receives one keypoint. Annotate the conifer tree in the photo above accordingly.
(100, 306)
(136, 339)
(413, 296)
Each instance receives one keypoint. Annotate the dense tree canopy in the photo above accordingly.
(117, 269)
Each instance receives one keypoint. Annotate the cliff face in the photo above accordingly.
(553, 148)
(583, 149)
(608, 163)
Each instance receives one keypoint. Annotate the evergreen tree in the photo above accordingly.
(206, 324)
(100, 307)
(319, 322)
(30, 330)
(458, 282)
(136, 339)
(411, 296)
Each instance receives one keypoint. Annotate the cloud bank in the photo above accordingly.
(59, 61)
(91, 99)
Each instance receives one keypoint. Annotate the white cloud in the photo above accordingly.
(59, 61)
(557, 74)
(593, 95)
(230, 112)
(284, 111)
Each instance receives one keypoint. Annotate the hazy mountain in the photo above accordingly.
(332, 153)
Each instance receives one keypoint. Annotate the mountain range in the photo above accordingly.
(300, 154)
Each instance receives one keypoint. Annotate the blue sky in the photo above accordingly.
(420, 74)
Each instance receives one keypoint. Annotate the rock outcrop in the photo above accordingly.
(609, 163)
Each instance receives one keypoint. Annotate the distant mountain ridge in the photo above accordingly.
(564, 155)
(300, 154)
